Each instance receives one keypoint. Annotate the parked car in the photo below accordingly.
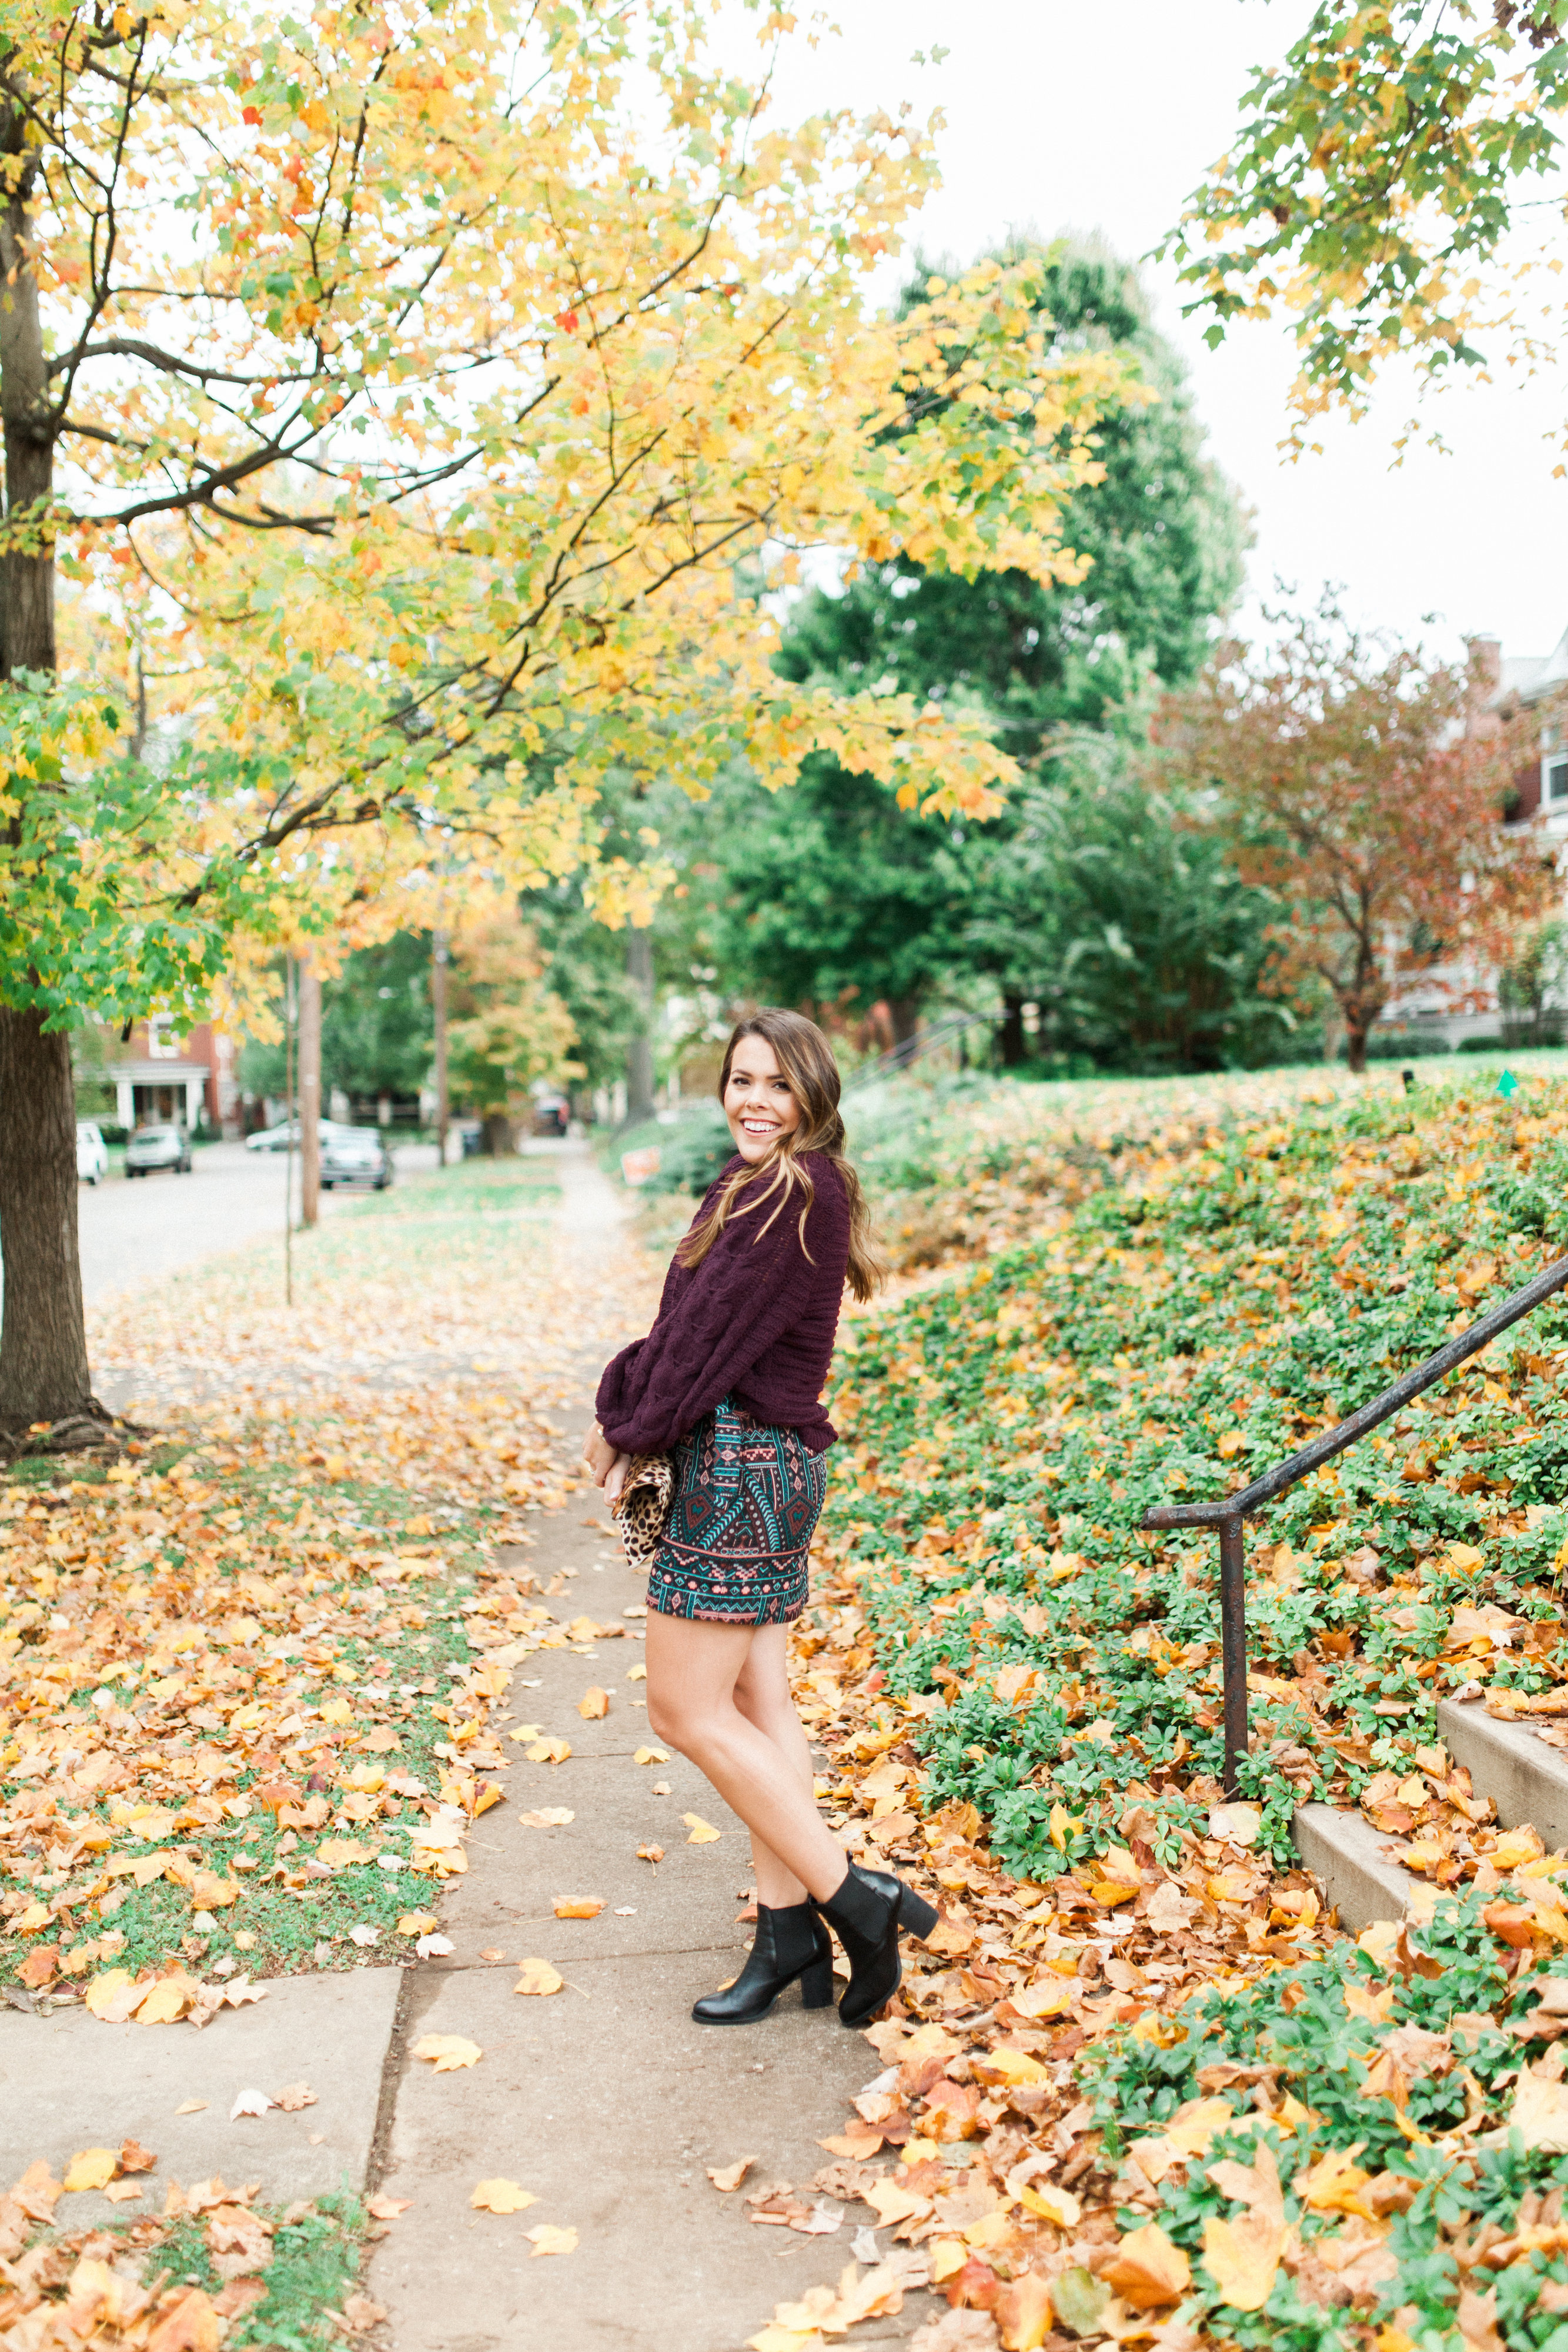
(278, 1138)
(552, 1115)
(158, 1147)
(355, 1155)
(92, 1152)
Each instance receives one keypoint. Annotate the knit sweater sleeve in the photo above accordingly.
(753, 1284)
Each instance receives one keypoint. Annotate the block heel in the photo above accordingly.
(787, 1945)
(817, 1985)
(866, 1914)
(914, 1913)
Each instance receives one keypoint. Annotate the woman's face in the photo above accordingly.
(758, 1101)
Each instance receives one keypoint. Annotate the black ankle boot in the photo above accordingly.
(866, 1915)
(788, 1944)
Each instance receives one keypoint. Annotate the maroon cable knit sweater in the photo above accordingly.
(754, 1321)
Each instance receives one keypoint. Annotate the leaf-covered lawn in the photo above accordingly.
(1134, 2087)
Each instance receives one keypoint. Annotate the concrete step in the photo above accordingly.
(1358, 1866)
(1352, 1864)
(1508, 1762)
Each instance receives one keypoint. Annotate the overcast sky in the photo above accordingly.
(1099, 118)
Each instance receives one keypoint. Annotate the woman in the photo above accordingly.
(729, 1382)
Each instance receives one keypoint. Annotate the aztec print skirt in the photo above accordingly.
(735, 1543)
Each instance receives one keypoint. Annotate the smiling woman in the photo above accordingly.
(729, 1382)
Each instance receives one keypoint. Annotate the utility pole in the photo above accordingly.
(290, 1112)
(439, 958)
(309, 1091)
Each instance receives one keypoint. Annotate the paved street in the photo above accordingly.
(135, 1232)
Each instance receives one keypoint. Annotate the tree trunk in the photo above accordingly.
(904, 1012)
(438, 962)
(500, 1140)
(309, 1092)
(1010, 1037)
(640, 1050)
(43, 1346)
(44, 1371)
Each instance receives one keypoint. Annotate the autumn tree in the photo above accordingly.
(1379, 191)
(399, 394)
(509, 1028)
(1364, 785)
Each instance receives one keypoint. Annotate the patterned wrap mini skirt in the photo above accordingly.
(736, 1541)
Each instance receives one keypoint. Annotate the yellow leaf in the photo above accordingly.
(547, 1817)
(103, 1992)
(702, 1832)
(549, 1751)
(27, 1922)
(1148, 2270)
(447, 2052)
(728, 2177)
(211, 1893)
(650, 1755)
(1243, 2258)
(549, 2240)
(166, 1998)
(337, 1710)
(501, 2197)
(1334, 2182)
(539, 1976)
(1058, 2205)
(95, 2168)
(594, 1703)
(579, 1906)
(417, 1922)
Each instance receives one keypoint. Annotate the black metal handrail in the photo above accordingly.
(1228, 1512)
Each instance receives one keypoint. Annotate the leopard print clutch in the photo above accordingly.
(642, 1508)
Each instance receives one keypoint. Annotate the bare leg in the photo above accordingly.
(694, 1668)
(762, 1695)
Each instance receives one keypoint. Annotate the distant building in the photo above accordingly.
(1540, 784)
(187, 1075)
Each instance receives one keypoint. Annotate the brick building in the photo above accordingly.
(188, 1075)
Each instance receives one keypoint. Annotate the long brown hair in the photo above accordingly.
(806, 1058)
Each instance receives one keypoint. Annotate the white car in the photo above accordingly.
(278, 1138)
(158, 1147)
(92, 1152)
(355, 1155)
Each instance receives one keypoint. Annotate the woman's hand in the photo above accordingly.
(615, 1477)
(599, 1455)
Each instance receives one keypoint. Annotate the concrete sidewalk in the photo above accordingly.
(606, 2101)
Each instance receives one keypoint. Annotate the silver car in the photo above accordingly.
(158, 1147)
(355, 1155)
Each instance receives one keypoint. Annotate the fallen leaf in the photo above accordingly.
(650, 1755)
(549, 1751)
(417, 1922)
(383, 2208)
(1236, 1824)
(1079, 2299)
(93, 2169)
(360, 2314)
(1148, 2270)
(702, 1832)
(1242, 2258)
(190, 2107)
(726, 2177)
(448, 2052)
(1540, 2113)
(547, 1817)
(549, 2240)
(539, 1976)
(434, 1947)
(593, 1704)
(250, 2103)
(650, 1853)
(501, 2197)
(1023, 2313)
(296, 2095)
(120, 2192)
(134, 2158)
(579, 1906)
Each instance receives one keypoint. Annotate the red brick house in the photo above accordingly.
(187, 1075)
